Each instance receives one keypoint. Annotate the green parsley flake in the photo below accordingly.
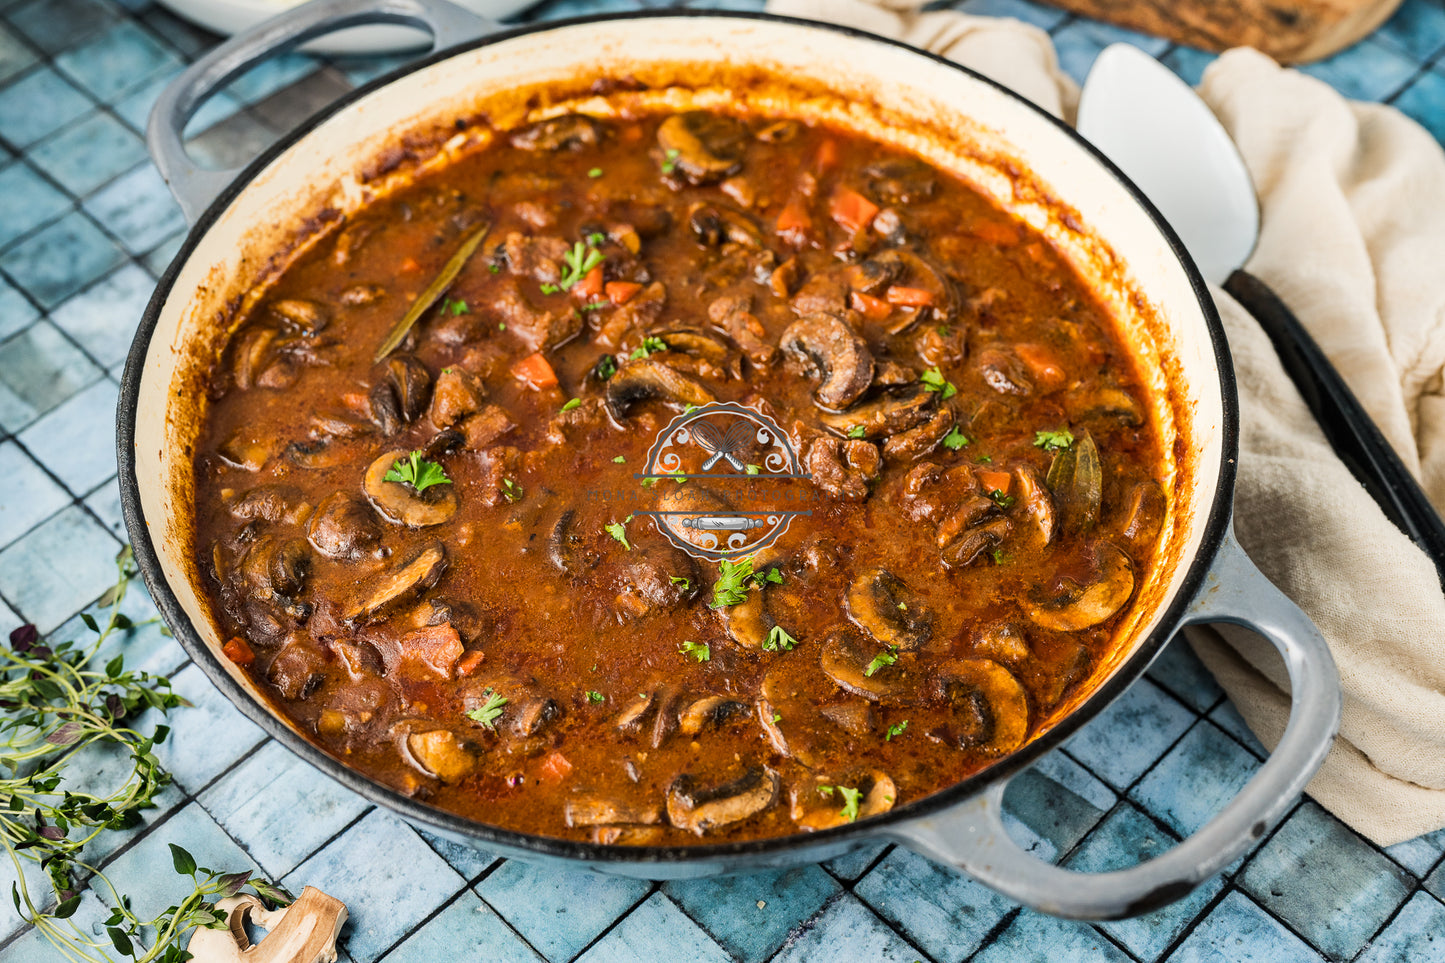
(1000, 499)
(501, 325)
(933, 380)
(650, 346)
(595, 172)
(881, 660)
(416, 471)
(1000, 557)
(857, 431)
(686, 583)
(895, 730)
(754, 469)
(606, 367)
(594, 696)
(511, 491)
(455, 307)
(596, 238)
(618, 530)
(575, 265)
(669, 161)
(779, 640)
(955, 439)
(574, 403)
(548, 288)
(698, 650)
(850, 802)
(620, 460)
(490, 710)
(1053, 440)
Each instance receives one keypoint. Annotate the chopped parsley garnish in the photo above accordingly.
(777, 718)
(594, 696)
(881, 660)
(686, 583)
(595, 172)
(895, 730)
(549, 288)
(1000, 499)
(416, 471)
(736, 578)
(955, 439)
(669, 160)
(455, 307)
(618, 530)
(576, 263)
(826, 790)
(933, 380)
(511, 491)
(490, 710)
(650, 346)
(754, 469)
(857, 431)
(985, 460)
(606, 367)
(574, 403)
(1053, 440)
(850, 802)
(779, 640)
(494, 268)
(620, 460)
(698, 650)
(595, 306)
(1000, 557)
(596, 238)
(649, 481)
(501, 325)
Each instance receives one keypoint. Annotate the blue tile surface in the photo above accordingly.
(751, 915)
(558, 911)
(1325, 882)
(1238, 931)
(86, 226)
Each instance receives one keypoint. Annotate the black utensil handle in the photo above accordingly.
(1347, 426)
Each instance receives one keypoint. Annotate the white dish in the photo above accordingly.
(232, 16)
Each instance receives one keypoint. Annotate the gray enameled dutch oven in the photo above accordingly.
(245, 224)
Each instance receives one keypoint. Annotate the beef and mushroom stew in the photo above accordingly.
(423, 514)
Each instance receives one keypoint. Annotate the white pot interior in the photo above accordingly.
(878, 89)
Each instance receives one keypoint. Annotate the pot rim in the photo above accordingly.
(510, 841)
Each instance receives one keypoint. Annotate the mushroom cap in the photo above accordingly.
(398, 502)
(709, 146)
(701, 809)
(881, 604)
(828, 344)
(647, 379)
(995, 699)
(1078, 608)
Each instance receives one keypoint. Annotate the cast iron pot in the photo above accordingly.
(245, 223)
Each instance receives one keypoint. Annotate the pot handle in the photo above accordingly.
(971, 837)
(195, 187)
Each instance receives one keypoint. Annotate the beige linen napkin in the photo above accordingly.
(1353, 239)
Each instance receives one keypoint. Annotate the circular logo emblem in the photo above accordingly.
(716, 471)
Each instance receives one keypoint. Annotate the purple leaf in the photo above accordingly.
(22, 638)
(65, 735)
(51, 833)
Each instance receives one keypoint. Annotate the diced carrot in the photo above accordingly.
(993, 481)
(555, 767)
(827, 156)
(793, 221)
(468, 663)
(590, 287)
(874, 309)
(995, 232)
(852, 210)
(409, 264)
(536, 370)
(238, 651)
(620, 292)
(1042, 364)
(908, 297)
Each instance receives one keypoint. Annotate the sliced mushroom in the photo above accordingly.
(567, 132)
(567, 550)
(1077, 481)
(398, 502)
(594, 809)
(439, 753)
(1072, 607)
(1002, 642)
(821, 806)
(654, 578)
(703, 145)
(399, 584)
(922, 439)
(713, 226)
(880, 604)
(307, 317)
(1034, 496)
(748, 622)
(647, 379)
(1144, 514)
(270, 503)
(713, 711)
(634, 712)
(277, 567)
(900, 180)
(706, 354)
(972, 544)
(702, 809)
(833, 351)
(1107, 402)
(916, 271)
(890, 411)
(344, 527)
(847, 660)
(990, 708)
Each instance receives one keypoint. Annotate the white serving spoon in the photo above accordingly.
(1159, 132)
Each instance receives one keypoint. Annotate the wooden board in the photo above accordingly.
(1291, 31)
